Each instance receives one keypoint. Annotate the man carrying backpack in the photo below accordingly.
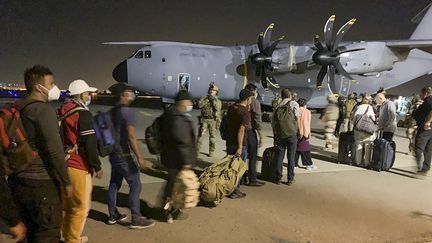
(178, 145)
(285, 129)
(83, 161)
(36, 189)
(126, 161)
(211, 107)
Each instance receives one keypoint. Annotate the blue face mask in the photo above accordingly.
(189, 108)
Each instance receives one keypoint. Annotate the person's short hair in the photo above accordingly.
(34, 76)
(245, 94)
(366, 99)
(294, 95)
(251, 87)
(286, 93)
(426, 90)
(302, 102)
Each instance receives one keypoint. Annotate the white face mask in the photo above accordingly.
(87, 102)
(131, 97)
(189, 108)
(52, 94)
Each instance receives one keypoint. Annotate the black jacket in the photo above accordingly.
(178, 139)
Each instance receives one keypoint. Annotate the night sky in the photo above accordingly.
(67, 35)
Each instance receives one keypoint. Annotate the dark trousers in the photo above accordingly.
(339, 123)
(388, 136)
(172, 174)
(305, 157)
(423, 149)
(252, 151)
(289, 145)
(40, 208)
(131, 174)
(231, 150)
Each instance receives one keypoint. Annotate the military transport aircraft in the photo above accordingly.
(162, 68)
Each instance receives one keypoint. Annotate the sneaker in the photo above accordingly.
(177, 214)
(311, 167)
(169, 217)
(256, 183)
(84, 239)
(277, 181)
(290, 182)
(141, 223)
(237, 195)
(116, 218)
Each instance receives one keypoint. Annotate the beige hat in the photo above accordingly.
(79, 86)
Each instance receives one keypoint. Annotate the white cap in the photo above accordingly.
(80, 86)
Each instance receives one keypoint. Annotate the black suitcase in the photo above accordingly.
(268, 165)
(346, 147)
(383, 155)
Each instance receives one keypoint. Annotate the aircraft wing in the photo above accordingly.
(407, 45)
(160, 43)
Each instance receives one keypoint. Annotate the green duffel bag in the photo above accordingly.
(220, 179)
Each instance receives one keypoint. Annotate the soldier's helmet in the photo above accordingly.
(213, 87)
(333, 98)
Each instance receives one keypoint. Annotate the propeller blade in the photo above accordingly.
(352, 50)
(342, 31)
(269, 50)
(341, 70)
(328, 32)
(321, 76)
(319, 45)
(260, 42)
(331, 78)
(267, 36)
(264, 78)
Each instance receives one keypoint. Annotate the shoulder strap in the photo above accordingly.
(71, 112)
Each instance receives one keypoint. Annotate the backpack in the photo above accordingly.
(220, 179)
(104, 130)
(60, 120)
(153, 137)
(223, 128)
(17, 154)
(285, 122)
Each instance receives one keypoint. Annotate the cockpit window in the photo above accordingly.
(147, 54)
(139, 54)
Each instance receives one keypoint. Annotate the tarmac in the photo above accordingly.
(334, 203)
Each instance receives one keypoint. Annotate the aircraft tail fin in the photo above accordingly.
(424, 20)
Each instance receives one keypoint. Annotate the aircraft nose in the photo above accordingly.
(120, 72)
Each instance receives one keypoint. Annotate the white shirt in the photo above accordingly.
(361, 109)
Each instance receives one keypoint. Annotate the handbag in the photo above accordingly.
(365, 124)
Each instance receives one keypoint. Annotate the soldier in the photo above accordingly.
(210, 119)
(349, 106)
(412, 124)
(330, 118)
(276, 100)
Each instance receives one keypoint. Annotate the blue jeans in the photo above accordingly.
(131, 174)
(289, 144)
(231, 150)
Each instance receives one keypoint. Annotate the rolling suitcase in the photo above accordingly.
(346, 147)
(268, 165)
(383, 155)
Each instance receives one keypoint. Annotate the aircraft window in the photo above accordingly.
(184, 81)
(147, 54)
(139, 54)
